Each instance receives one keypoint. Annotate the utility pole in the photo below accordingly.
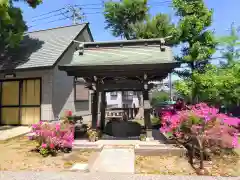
(75, 13)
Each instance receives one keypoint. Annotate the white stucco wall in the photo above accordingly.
(118, 101)
(63, 86)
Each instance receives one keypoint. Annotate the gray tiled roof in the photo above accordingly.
(41, 48)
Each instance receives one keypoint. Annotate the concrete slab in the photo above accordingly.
(12, 132)
(80, 167)
(115, 160)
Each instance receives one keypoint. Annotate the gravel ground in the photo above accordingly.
(7, 175)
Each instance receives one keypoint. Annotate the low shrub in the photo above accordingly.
(52, 138)
(205, 121)
(93, 135)
(142, 137)
(155, 121)
(203, 128)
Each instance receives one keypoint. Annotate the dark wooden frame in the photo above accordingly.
(20, 80)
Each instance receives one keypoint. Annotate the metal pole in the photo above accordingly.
(170, 85)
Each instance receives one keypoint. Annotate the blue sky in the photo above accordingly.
(225, 12)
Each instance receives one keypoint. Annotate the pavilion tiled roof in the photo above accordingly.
(122, 53)
(123, 56)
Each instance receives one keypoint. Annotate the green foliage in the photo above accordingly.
(119, 16)
(155, 121)
(32, 3)
(158, 97)
(215, 86)
(44, 152)
(12, 25)
(183, 88)
(219, 85)
(199, 43)
(230, 46)
(158, 26)
(142, 137)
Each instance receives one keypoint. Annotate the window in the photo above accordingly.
(113, 93)
(20, 101)
(128, 93)
(80, 91)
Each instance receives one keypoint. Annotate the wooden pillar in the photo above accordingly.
(147, 117)
(131, 113)
(103, 110)
(94, 108)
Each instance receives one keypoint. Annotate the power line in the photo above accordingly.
(49, 16)
(84, 6)
(57, 10)
(48, 13)
(61, 19)
(76, 15)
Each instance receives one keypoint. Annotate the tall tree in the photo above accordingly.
(119, 16)
(230, 46)
(12, 25)
(198, 42)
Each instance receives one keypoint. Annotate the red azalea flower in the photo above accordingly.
(69, 113)
(51, 146)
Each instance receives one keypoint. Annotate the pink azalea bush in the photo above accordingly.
(214, 128)
(53, 137)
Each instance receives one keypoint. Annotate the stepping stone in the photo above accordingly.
(80, 167)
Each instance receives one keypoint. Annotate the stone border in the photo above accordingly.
(95, 147)
(14, 137)
(159, 150)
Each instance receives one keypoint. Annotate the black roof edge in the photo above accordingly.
(6, 71)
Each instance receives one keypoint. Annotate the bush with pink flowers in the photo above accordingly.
(202, 127)
(202, 120)
(53, 137)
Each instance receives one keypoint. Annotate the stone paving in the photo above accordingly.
(8, 132)
(7, 175)
(115, 160)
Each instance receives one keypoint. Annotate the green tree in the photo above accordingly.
(184, 89)
(198, 43)
(159, 97)
(230, 46)
(216, 85)
(12, 25)
(119, 16)
(219, 85)
(156, 27)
